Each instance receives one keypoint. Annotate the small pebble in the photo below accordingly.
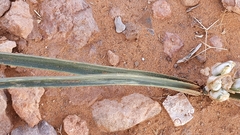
(74, 125)
(112, 58)
(190, 2)
(216, 42)
(120, 27)
(179, 109)
(172, 43)
(205, 71)
(136, 63)
(161, 9)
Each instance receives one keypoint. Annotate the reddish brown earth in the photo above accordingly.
(209, 118)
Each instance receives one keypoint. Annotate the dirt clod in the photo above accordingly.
(74, 125)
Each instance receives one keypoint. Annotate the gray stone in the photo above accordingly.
(179, 109)
(68, 20)
(74, 125)
(5, 123)
(111, 115)
(4, 6)
(43, 128)
(25, 102)
(120, 27)
(18, 19)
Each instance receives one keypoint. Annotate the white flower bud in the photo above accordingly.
(223, 68)
(221, 95)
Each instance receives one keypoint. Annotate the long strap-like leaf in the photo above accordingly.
(70, 66)
(99, 80)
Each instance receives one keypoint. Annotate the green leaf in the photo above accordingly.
(70, 66)
(100, 80)
(88, 75)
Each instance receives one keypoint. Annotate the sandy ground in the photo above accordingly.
(209, 117)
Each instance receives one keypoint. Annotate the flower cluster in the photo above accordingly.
(224, 80)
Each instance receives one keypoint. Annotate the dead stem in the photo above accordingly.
(206, 34)
(207, 48)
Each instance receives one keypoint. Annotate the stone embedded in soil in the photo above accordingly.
(18, 19)
(190, 2)
(172, 43)
(43, 128)
(179, 109)
(232, 5)
(216, 42)
(25, 102)
(68, 20)
(120, 27)
(5, 123)
(113, 59)
(4, 6)
(205, 71)
(73, 125)
(6, 45)
(131, 32)
(161, 9)
(111, 115)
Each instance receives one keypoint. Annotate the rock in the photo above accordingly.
(179, 109)
(131, 32)
(25, 102)
(111, 115)
(216, 42)
(6, 45)
(205, 71)
(190, 2)
(73, 125)
(68, 20)
(4, 6)
(5, 123)
(113, 59)
(18, 19)
(43, 128)
(120, 27)
(172, 43)
(232, 5)
(161, 9)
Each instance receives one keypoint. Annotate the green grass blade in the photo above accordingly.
(100, 80)
(70, 66)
